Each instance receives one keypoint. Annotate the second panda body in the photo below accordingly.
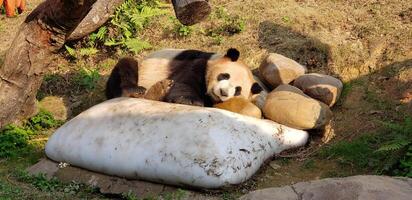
(199, 78)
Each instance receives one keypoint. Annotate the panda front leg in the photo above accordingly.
(182, 93)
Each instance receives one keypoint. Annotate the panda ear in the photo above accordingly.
(256, 88)
(233, 54)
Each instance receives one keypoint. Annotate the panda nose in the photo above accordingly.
(223, 93)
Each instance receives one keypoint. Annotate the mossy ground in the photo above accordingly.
(366, 43)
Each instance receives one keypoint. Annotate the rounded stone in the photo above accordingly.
(322, 87)
(56, 106)
(276, 70)
(289, 106)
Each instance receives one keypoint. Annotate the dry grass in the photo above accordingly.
(367, 43)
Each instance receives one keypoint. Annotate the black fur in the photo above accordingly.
(188, 71)
(223, 76)
(233, 54)
(123, 77)
(256, 88)
(238, 90)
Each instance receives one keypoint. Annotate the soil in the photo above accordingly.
(365, 43)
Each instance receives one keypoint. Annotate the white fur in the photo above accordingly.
(156, 67)
(226, 87)
(170, 143)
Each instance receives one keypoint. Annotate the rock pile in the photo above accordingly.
(298, 100)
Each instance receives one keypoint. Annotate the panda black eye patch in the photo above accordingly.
(238, 90)
(223, 76)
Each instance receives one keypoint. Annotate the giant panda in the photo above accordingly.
(199, 78)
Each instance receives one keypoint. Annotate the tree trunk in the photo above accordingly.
(190, 12)
(97, 16)
(43, 33)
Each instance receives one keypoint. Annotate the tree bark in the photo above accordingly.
(97, 16)
(43, 33)
(190, 12)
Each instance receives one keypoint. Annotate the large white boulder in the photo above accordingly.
(170, 143)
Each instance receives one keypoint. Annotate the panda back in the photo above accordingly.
(164, 64)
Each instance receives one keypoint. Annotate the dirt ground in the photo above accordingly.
(365, 43)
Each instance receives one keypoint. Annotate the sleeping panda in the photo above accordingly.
(199, 78)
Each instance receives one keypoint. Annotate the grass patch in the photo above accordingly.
(309, 164)
(347, 87)
(39, 181)
(179, 29)
(8, 191)
(86, 79)
(228, 196)
(15, 140)
(388, 152)
(374, 99)
(225, 24)
(53, 185)
(177, 195)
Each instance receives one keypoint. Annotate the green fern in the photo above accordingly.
(400, 145)
(136, 45)
(77, 53)
(401, 135)
(88, 51)
(70, 51)
(99, 36)
(394, 145)
(387, 152)
(129, 19)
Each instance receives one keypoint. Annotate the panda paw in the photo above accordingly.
(187, 101)
(135, 92)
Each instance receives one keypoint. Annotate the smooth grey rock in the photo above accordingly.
(363, 187)
(276, 70)
(109, 184)
(324, 88)
(356, 187)
(281, 193)
(289, 106)
(45, 167)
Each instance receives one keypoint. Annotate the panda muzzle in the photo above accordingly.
(223, 93)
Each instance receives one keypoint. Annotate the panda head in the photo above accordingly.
(227, 77)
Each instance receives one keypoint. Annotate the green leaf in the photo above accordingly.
(136, 45)
(88, 51)
(70, 51)
(394, 145)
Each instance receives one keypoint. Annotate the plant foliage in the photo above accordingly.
(14, 140)
(123, 30)
(388, 152)
(86, 78)
(129, 19)
(226, 24)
